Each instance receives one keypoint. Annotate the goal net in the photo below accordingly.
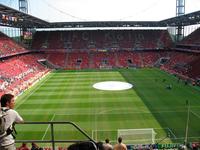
(100, 135)
(137, 136)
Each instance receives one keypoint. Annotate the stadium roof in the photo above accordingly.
(184, 20)
(18, 19)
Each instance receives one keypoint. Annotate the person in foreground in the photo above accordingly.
(10, 117)
(88, 145)
(23, 147)
(107, 145)
(120, 145)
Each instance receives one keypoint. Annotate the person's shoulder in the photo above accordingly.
(8, 110)
(107, 145)
(12, 111)
(5, 109)
(124, 145)
(120, 146)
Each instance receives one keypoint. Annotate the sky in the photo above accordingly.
(103, 10)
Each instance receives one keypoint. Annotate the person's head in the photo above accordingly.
(33, 144)
(24, 144)
(7, 100)
(107, 140)
(83, 146)
(119, 139)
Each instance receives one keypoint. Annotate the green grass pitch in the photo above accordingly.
(69, 96)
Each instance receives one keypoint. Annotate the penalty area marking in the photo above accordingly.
(112, 86)
(195, 114)
(172, 133)
(48, 127)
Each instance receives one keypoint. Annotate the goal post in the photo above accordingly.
(129, 136)
(138, 136)
(100, 135)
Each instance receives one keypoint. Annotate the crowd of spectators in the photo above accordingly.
(114, 48)
(9, 46)
(19, 73)
(119, 145)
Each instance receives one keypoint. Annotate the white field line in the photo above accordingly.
(106, 112)
(190, 137)
(137, 112)
(113, 111)
(48, 127)
(179, 138)
(195, 114)
(172, 133)
(33, 91)
(29, 112)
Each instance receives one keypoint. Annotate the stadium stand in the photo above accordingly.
(40, 40)
(194, 71)
(179, 60)
(192, 39)
(102, 49)
(20, 72)
(77, 60)
(93, 49)
(57, 59)
(9, 46)
(127, 58)
(102, 39)
(149, 58)
(190, 42)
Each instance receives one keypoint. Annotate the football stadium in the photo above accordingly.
(81, 82)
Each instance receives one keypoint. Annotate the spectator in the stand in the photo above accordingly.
(86, 146)
(169, 86)
(120, 145)
(107, 145)
(7, 141)
(23, 147)
(34, 146)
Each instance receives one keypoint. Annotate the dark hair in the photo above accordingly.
(119, 139)
(23, 144)
(107, 140)
(86, 146)
(6, 98)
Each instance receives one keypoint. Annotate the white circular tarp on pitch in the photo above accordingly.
(112, 85)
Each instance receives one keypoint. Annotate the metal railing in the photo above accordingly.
(52, 140)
